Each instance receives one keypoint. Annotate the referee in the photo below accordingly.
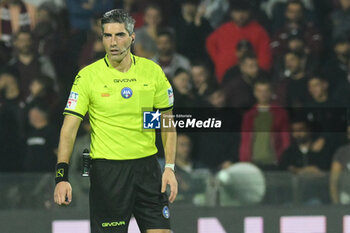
(125, 176)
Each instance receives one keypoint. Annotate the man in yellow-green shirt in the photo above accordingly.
(125, 176)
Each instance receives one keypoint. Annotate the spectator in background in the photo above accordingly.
(191, 30)
(336, 68)
(80, 13)
(295, 24)
(167, 57)
(46, 36)
(292, 81)
(296, 43)
(14, 16)
(203, 80)
(238, 88)
(243, 48)
(185, 166)
(324, 114)
(28, 62)
(183, 90)
(339, 188)
(304, 159)
(218, 150)
(132, 7)
(222, 43)
(215, 11)
(264, 132)
(93, 48)
(340, 20)
(41, 142)
(42, 91)
(145, 42)
(11, 124)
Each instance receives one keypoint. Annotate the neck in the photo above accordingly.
(188, 18)
(263, 105)
(322, 98)
(25, 58)
(181, 163)
(41, 124)
(165, 57)
(122, 66)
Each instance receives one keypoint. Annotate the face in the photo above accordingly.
(35, 88)
(165, 45)
(250, 67)
(152, 17)
(240, 17)
(189, 9)
(262, 93)
(183, 147)
(199, 75)
(296, 45)
(345, 4)
(300, 132)
(182, 82)
(43, 16)
(23, 43)
(36, 117)
(217, 99)
(292, 62)
(342, 49)
(116, 41)
(317, 88)
(294, 12)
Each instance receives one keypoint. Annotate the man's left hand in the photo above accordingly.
(169, 179)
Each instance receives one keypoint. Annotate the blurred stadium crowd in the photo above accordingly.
(284, 66)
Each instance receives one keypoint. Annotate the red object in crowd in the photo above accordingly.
(279, 132)
(221, 45)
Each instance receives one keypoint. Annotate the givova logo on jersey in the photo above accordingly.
(151, 120)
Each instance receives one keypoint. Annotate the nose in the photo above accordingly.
(114, 40)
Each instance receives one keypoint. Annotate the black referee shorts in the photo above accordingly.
(123, 188)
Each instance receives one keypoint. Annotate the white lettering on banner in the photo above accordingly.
(346, 224)
(304, 224)
(253, 225)
(210, 225)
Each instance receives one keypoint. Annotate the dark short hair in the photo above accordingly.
(22, 31)
(241, 5)
(295, 2)
(297, 54)
(318, 76)
(168, 33)
(262, 81)
(119, 16)
(248, 55)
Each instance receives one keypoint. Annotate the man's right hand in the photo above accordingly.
(63, 193)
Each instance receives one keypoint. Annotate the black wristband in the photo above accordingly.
(61, 172)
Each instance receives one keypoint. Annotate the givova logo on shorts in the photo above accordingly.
(113, 224)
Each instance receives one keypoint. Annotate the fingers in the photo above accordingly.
(63, 194)
(164, 183)
(173, 191)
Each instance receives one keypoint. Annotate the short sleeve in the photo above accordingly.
(164, 96)
(78, 99)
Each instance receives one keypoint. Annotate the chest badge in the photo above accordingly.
(126, 92)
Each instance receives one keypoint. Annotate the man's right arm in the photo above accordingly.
(63, 190)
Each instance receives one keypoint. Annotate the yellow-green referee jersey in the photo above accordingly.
(115, 101)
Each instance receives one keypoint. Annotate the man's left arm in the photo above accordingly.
(169, 144)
